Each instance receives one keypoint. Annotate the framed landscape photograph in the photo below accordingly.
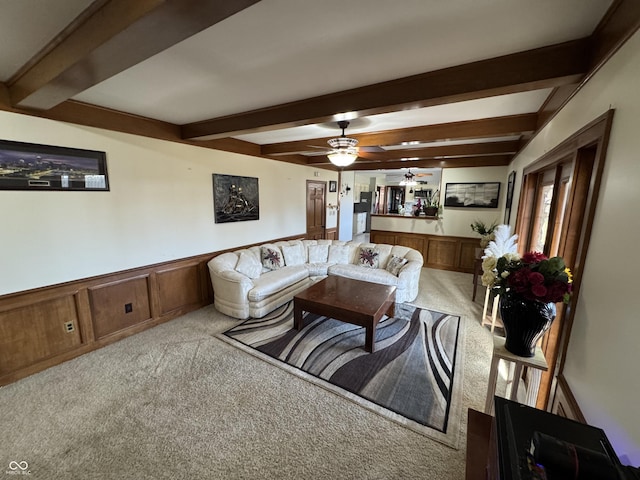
(472, 195)
(29, 166)
(235, 199)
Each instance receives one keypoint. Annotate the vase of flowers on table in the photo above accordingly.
(485, 231)
(529, 287)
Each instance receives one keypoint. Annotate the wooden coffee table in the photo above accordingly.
(351, 301)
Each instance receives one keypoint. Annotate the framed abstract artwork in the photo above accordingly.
(235, 199)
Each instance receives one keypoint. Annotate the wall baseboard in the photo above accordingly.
(564, 403)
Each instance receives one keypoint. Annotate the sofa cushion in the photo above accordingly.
(369, 257)
(338, 254)
(318, 253)
(384, 254)
(374, 275)
(293, 254)
(249, 265)
(317, 269)
(271, 257)
(276, 280)
(395, 264)
(306, 244)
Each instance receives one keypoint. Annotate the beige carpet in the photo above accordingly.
(175, 402)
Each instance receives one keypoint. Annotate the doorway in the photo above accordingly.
(395, 198)
(316, 210)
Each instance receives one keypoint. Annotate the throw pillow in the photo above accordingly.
(369, 257)
(249, 265)
(338, 254)
(318, 253)
(271, 257)
(293, 254)
(395, 265)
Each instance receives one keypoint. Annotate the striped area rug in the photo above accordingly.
(413, 377)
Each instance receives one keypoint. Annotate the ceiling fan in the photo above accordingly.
(344, 150)
(409, 179)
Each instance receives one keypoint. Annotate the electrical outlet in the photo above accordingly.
(69, 327)
(128, 308)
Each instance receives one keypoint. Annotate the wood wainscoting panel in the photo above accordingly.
(179, 287)
(410, 240)
(441, 253)
(32, 322)
(119, 305)
(35, 332)
(468, 253)
(382, 237)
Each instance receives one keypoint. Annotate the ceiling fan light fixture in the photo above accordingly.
(343, 157)
(345, 149)
(409, 179)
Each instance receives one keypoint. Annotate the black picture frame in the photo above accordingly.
(31, 166)
(472, 195)
(235, 198)
(333, 186)
(511, 181)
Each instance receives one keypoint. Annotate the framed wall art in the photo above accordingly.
(510, 186)
(333, 186)
(29, 166)
(235, 199)
(472, 195)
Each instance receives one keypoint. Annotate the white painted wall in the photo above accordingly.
(346, 205)
(160, 206)
(603, 357)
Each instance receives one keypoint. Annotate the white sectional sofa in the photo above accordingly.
(253, 282)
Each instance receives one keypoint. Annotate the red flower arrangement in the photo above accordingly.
(534, 277)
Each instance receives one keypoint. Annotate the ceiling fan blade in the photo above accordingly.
(371, 148)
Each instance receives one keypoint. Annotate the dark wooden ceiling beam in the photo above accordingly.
(545, 67)
(486, 127)
(459, 162)
(116, 36)
(620, 22)
(616, 27)
(464, 150)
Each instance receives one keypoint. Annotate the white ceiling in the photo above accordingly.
(283, 50)
(279, 51)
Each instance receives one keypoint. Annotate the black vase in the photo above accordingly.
(525, 321)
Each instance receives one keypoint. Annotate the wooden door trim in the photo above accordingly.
(593, 135)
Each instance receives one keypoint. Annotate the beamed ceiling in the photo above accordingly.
(424, 83)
